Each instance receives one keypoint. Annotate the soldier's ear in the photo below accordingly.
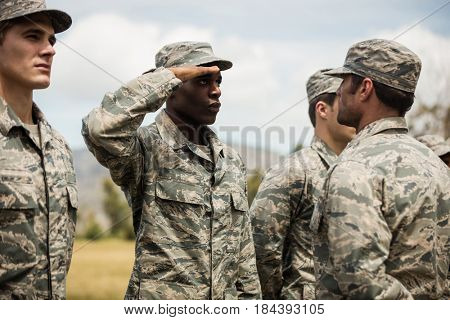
(366, 89)
(321, 110)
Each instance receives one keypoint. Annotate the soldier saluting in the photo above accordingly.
(186, 188)
(38, 195)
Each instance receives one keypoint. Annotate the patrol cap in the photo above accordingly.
(11, 9)
(189, 53)
(435, 143)
(319, 83)
(385, 61)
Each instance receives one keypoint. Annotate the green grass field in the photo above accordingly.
(100, 270)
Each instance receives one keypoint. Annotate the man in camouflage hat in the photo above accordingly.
(282, 208)
(438, 145)
(381, 227)
(38, 195)
(186, 188)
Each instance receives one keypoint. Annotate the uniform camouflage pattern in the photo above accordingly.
(435, 143)
(10, 9)
(193, 234)
(384, 61)
(319, 83)
(189, 53)
(381, 227)
(281, 213)
(38, 201)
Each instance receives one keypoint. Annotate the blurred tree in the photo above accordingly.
(253, 181)
(117, 210)
(92, 229)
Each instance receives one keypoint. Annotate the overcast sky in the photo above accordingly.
(274, 45)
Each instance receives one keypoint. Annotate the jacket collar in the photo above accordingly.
(177, 140)
(9, 120)
(324, 151)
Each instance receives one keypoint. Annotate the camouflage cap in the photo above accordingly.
(189, 53)
(11, 9)
(435, 143)
(384, 61)
(319, 83)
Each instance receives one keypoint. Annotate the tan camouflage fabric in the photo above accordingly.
(281, 213)
(381, 228)
(319, 83)
(384, 61)
(189, 53)
(436, 143)
(193, 232)
(10, 9)
(38, 203)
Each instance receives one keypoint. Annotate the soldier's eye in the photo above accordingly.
(33, 37)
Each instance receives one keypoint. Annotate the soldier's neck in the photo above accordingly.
(335, 145)
(20, 100)
(375, 111)
(194, 133)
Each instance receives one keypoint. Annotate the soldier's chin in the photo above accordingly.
(41, 84)
(210, 120)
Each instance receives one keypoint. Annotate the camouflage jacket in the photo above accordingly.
(38, 201)
(381, 227)
(281, 213)
(193, 234)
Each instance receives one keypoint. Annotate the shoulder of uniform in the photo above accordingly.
(231, 153)
(148, 133)
(290, 170)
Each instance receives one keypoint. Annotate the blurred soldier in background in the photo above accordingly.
(438, 145)
(282, 208)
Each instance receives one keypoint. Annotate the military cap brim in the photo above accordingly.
(340, 72)
(216, 61)
(61, 21)
(210, 61)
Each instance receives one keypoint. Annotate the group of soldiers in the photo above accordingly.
(362, 213)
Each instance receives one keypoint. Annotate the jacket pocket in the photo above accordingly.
(179, 191)
(239, 201)
(18, 209)
(178, 217)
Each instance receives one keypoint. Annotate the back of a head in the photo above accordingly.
(320, 87)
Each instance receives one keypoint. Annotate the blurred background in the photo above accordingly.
(274, 45)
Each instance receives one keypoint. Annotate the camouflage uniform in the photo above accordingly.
(38, 201)
(441, 148)
(381, 226)
(282, 209)
(436, 143)
(190, 214)
(38, 194)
